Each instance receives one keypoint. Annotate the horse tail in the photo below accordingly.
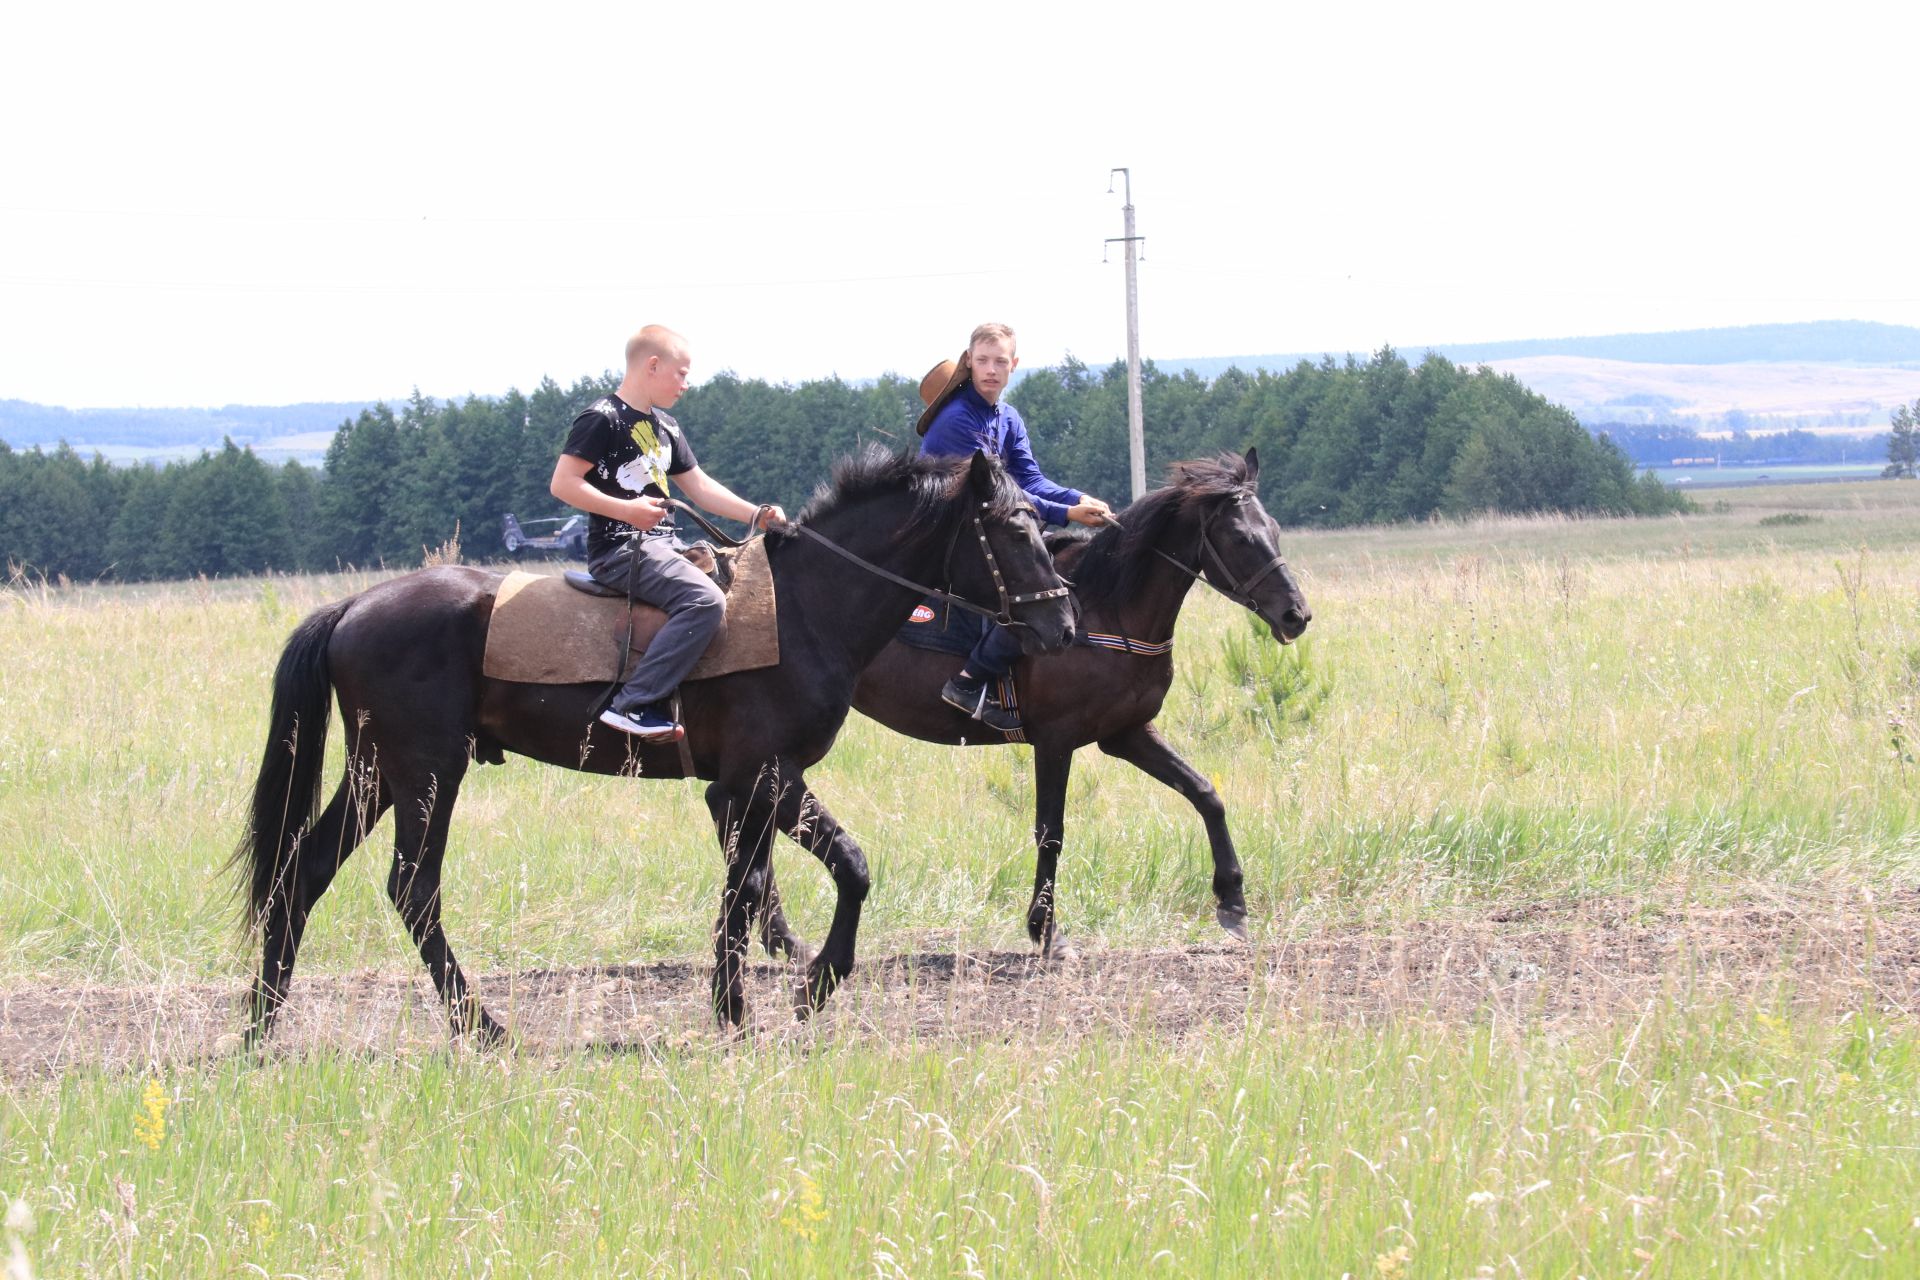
(286, 795)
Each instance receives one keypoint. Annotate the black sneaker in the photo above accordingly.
(648, 723)
(977, 697)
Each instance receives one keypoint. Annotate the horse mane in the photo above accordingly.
(933, 482)
(1117, 557)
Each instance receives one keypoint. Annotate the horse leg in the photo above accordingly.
(743, 819)
(1051, 767)
(304, 875)
(776, 935)
(808, 824)
(1144, 749)
(421, 814)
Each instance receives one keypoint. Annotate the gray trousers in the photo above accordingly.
(695, 608)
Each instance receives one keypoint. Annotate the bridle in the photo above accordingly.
(1216, 573)
(1003, 615)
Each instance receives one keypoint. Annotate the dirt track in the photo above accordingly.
(1571, 963)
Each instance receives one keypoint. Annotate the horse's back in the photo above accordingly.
(419, 638)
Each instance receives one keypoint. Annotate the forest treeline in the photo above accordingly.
(1340, 443)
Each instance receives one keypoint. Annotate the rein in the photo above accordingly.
(711, 529)
(1003, 616)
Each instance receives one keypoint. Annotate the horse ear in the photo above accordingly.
(1253, 464)
(980, 474)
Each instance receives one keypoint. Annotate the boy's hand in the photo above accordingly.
(643, 512)
(768, 517)
(1089, 510)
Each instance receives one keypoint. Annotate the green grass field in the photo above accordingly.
(1696, 708)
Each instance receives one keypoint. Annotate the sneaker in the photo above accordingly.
(648, 723)
(977, 697)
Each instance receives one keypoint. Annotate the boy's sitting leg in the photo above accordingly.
(653, 570)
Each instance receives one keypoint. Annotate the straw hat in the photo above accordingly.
(939, 386)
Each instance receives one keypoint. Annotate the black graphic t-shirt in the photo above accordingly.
(632, 454)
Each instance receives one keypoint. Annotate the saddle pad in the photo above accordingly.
(545, 632)
(938, 626)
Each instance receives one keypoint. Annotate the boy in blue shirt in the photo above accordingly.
(964, 413)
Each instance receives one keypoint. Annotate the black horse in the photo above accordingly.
(1130, 579)
(404, 661)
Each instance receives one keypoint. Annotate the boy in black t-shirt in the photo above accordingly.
(615, 467)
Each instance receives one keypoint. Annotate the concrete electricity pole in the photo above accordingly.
(1136, 431)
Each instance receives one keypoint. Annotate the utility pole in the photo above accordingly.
(1136, 431)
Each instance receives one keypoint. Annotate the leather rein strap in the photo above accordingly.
(1003, 616)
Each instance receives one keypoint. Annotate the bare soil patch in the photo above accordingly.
(1569, 964)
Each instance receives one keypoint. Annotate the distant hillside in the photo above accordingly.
(125, 435)
(1750, 396)
(1853, 342)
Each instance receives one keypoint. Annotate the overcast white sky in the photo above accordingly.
(262, 204)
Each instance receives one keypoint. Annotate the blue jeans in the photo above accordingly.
(995, 653)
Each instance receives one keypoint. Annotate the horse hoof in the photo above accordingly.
(1235, 923)
(729, 1010)
(815, 985)
(1059, 947)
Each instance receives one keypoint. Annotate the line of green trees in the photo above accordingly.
(1340, 443)
(1903, 444)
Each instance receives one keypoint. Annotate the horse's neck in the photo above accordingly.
(857, 610)
(1150, 612)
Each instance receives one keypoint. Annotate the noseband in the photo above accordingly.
(1216, 573)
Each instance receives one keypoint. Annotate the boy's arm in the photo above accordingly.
(569, 484)
(1051, 500)
(713, 496)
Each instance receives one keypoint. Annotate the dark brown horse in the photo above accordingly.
(404, 661)
(1130, 579)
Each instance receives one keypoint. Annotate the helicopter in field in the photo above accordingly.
(568, 541)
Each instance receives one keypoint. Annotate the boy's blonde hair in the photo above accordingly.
(654, 340)
(993, 331)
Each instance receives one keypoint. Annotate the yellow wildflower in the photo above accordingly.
(809, 1210)
(1393, 1266)
(150, 1123)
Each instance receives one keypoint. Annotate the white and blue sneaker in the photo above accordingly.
(649, 723)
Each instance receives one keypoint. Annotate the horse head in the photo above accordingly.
(1237, 550)
(959, 526)
(999, 562)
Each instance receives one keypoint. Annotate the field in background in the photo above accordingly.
(1714, 710)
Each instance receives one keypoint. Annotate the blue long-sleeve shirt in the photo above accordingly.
(967, 422)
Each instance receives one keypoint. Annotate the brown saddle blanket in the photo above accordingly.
(546, 632)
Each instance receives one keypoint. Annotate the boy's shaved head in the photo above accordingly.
(655, 340)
